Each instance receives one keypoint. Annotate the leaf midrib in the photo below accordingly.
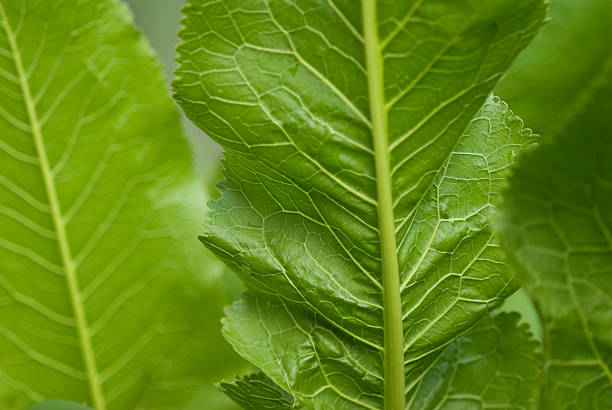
(394, 394)
(95, 386)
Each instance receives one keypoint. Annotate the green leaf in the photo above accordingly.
(556, 225)
(494, 364)
(478, 264)
(571, 50)
(349, 166)
(100, 269)
(257, 392)
(58, 405)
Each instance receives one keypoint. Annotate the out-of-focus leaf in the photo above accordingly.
(556, 225)
(571, 50)
(105, 297)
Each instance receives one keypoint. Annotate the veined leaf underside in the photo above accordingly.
(95, 192)
(287, 88)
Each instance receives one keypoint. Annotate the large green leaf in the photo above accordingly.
(552, 86)
(103, 298)
(354, 189)
(557, 228)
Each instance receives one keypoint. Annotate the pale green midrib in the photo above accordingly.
(394, 394)
(89, 360)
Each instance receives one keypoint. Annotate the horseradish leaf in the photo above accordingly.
(556, 225)
(256, 391)
(362, 164)
(100, 271)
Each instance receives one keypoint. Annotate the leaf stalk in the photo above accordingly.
(394, 383)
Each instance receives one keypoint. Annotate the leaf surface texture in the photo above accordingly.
(283, 87)
(256, 391)
(99, 266)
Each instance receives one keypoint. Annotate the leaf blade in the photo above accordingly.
(495, 365)
(299, 213)
(554, 225)
(507, 138)
(257, 391)
(85, 102)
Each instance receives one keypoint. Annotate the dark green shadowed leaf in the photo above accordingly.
(100, 268)
(545, 82)
(58, 405)
(348, 132)
(556, 225)
(257, 392)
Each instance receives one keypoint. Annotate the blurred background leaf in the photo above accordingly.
(547, 82)
(160, 21)
(547, 79)
(40, 359)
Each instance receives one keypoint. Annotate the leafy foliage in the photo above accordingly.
(493, 366)
(257, 392)
(99, 269)
(546, 81)
(364, 160)
(557, 206)
(556, 226)
(336, 123)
